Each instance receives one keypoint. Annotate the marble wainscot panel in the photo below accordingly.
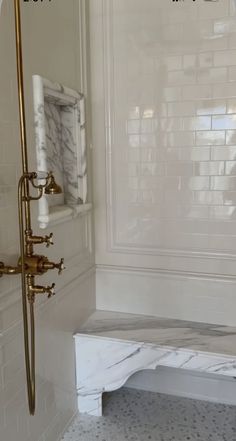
(60, 148)
(110, 347)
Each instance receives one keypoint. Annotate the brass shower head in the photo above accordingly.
(52, 187)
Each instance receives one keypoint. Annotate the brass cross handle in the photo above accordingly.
(49, 240)
(35, 240)
(46, 265)
(60, 266)
(50, 290)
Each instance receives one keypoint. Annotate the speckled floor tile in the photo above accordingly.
(131, 415)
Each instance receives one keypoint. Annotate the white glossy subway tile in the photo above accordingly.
(205, 60)
(223, 183)
(195, 153)
(179, 139)
(199, 91)
(225, 58)
(211, 107)
(210, 168)
(232, 39)
(197, 123)
(223, 122)
(149, 155)
(230, 168)
(211, 137)
(196, 183)
(190, 61)
(179, 168)
(214, 44)
(212, 75)
(229, 198)
(152, 169)
(134, 140)
(223, 153)
(148, 140)
(222, 213)
(226, 90)
(209, 197)
(232, 73)
(231, 137)
(172, 93)
(179, 199)
(171, 124)
(186, 108)
(231, 106)
(181, 77)
(170, 154)
(173, 62)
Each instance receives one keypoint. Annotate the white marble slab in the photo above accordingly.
(110, 347)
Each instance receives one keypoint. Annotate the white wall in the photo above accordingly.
(164, 111)
(53, 48)
(163, 87)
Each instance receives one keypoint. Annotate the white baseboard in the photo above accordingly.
(186, 384)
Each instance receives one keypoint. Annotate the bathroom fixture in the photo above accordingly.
(29, 264)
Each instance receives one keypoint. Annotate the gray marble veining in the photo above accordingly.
(217, 339)
(60, 145)
(54, 146)
(111, 347)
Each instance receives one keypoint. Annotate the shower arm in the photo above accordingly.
(29, 264)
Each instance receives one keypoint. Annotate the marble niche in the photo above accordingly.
(61, 148)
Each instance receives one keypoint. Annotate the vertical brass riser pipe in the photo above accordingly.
(24, 221)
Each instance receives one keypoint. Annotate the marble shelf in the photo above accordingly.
(61, 213)
(112, 346)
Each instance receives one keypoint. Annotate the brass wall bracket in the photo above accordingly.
(10, 270)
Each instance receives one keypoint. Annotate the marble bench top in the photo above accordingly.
(203, 337)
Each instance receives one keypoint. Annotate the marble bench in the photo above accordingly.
(111, 346)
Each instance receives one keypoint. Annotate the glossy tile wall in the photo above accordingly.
(52, 33)
(168, 167)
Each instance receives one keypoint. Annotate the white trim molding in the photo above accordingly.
(110, 117)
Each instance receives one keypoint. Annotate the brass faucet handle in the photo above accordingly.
(49, 240)
(50, 290)
(36, 240)
(60, 266)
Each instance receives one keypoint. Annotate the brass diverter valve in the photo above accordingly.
(36, 265)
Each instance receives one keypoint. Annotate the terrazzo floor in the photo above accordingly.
(131, 415)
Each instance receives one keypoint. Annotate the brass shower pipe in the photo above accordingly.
(29, 264)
